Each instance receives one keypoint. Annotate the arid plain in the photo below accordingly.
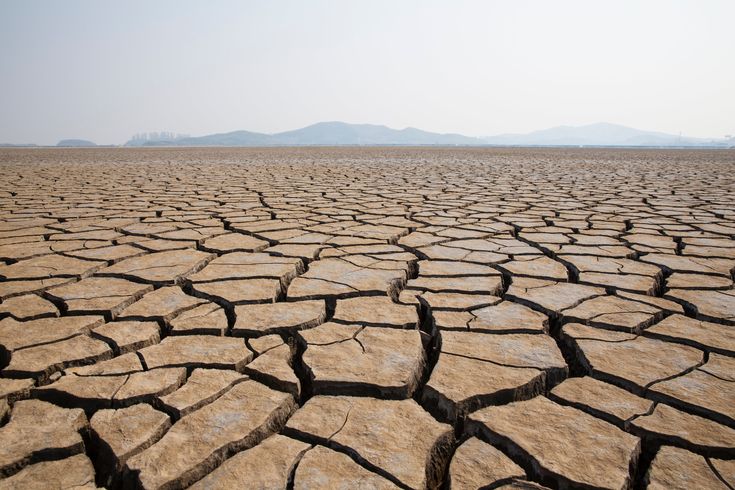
(367, 318)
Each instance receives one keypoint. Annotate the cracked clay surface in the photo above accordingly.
(367, 318)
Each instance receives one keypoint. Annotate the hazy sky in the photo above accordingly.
(104, 70)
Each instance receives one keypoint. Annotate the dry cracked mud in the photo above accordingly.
(367, 318)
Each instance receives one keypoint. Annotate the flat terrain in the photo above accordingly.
(367, 318)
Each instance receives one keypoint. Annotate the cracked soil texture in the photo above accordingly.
(367, 318)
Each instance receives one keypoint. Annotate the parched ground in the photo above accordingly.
(367, 318)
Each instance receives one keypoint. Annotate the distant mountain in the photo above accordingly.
(600, 134)
(234, 138)
(340, 133)
(324, 133)
(75, 143)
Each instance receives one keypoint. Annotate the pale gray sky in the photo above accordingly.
(104, 70)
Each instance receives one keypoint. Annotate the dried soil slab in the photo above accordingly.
(583, 451)
(199, 442)
(16, 335)
(38, 431)
(708, 336)
(678, 469)
(509, 246)
(452, 320)
(626, 360)
(149, 227)
(607, 265)
(48, 266)
(623, 282)
(600, 399)
(120, 434)
(547, 237)
(162, 304)
(613, 312)
(234, 242)
(475, 370)
(94, 392)
(10, 249)
(682, 280)
(242, 265)
(338, 277)
(443, 252)
(350, 359)
(192, 234)
(28, 307)
(110, 255)
(652, 241)
(205, 319)
(273, 365)
(680, 263)
(451, 268)
(160, 245)
(490, 285)
(726, 469)
(267, 465)
(702, 251)
(661, 303)
(202, 387)
(27, 234)
(397, 437)
(420, 239)
(192, 351)
(75, 472)
(8, 289)
(541, 267)
(719, 366)
(477, 464)
(323, 468)
(128, 336)
(304, 252)
(99, 295)
(508, 317)
(701, 392)
(551, 297)
(44, 360)
(15, 389)
(264, 319)
(124, 364)
(101, 235)
(671, 426)
(239, 291)
(614, 251)
(447, 301)
(160, 268)
(376, 310)
(376, 250)
(715, 306)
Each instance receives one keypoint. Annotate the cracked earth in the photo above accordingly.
(367, 318)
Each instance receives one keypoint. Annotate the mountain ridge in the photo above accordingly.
(321, 133)
(336, 133)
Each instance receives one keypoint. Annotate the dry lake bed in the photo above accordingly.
(367, 318)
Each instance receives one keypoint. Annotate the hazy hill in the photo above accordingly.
(324, 133)
(600, 134)
(75, 143)
(340, 133)
(234, 138)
